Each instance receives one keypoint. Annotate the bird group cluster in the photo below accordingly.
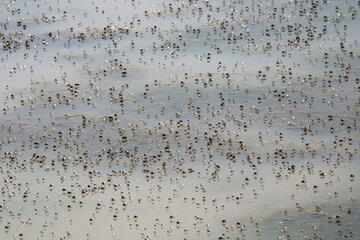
(179, 119)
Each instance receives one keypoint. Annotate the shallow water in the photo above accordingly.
(197, 120)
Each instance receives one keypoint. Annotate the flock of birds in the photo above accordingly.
(193, 119)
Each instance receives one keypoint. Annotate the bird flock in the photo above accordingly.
(169, 119)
